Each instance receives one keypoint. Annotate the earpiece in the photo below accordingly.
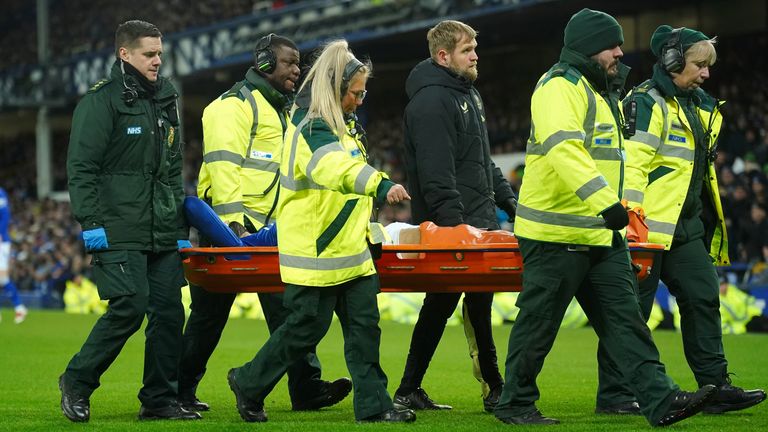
(350, 70)
(129, 93)
(266, 61)
(672, 58)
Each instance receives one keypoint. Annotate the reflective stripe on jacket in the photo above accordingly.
(244, 163)
(660, 165)
(326, 202)
(573, 163)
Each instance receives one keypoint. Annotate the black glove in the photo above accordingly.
(616, 217)
(510, 207)
(237, 228)
(376, 250)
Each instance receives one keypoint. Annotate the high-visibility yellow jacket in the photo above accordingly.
(573, 162)
(83, 297)
(737, 309)
(325, 202)
(660, 163)
(242, 141)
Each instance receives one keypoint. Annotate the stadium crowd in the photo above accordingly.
(45, 236)
(46, 249)
(81, 26)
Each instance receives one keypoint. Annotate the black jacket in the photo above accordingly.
(124, 164)
(451, 177)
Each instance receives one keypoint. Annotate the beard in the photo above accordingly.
(470, 73)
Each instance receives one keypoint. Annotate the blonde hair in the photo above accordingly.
(446, 34)
(702, 51)
(325, 78)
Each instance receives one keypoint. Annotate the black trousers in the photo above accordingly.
(311, 314)
(210, 312)
(137, 284)
(688, 272)
(602, 280)
(434, 314)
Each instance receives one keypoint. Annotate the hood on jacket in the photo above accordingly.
(428, 73)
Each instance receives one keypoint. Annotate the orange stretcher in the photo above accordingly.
(487, 267)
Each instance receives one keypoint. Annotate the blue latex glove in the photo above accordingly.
(95, 239)
(183, 244)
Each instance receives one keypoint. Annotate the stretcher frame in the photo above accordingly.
(495, 267)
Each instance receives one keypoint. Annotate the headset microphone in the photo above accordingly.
(129, 93)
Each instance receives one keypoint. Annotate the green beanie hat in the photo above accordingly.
(688, 37)
(590, 32)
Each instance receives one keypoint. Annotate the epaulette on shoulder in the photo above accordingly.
(573, 75)
(99, 85)
(570, 73)
(641, 92)
(234, 91)
(643, 87)
(317, 124)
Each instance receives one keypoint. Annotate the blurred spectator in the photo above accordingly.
(759, 191)
(82, 297)
(45, 237)
(81, 26)
(45, 244)
(739, 311)
(753, 234)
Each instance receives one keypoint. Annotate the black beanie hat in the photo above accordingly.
(688, 37)
(590, 32)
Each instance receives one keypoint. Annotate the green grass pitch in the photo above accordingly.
(36, 352)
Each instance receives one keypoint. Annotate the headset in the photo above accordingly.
(130, 94)
(351, 68)
(266, 61)
(672, 58)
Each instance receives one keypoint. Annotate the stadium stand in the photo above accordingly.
(45, 235)
(82, 27)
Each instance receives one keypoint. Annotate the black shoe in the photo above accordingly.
(250, 411)
(686, 404)
(192, 403)
(77, 408)
(624, 408)
(418, 400)
(170, 412)
(392, 416)
(330, 394)
(490, 402)
(534, 417)
(731, 398)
